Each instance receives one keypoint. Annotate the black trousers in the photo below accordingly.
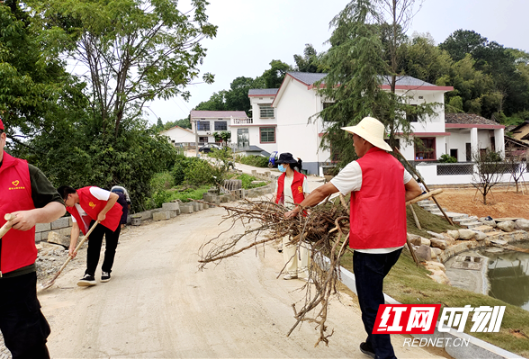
(94, 248)
(23, 326)
(370, 271)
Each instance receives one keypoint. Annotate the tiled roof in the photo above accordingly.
(262, 92)
(307, 78)
(468, 118)
(405, 81)
(218, 114)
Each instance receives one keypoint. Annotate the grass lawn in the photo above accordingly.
(410, 284)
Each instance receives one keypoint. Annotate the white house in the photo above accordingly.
(205, 123)
(299, 131)
(179, 135)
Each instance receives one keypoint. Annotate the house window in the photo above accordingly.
(203, 139)
(221, 125)
(411, 114)
(468, 152)
(426, 150)
(267, 111)
(493, 144)
(453, 153)
(268, 134)
(202, 125)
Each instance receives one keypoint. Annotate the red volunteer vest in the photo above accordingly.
(18, 247)
(297, 188)
(92, 206)
(378, 210)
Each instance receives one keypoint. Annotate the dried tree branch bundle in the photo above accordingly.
(323, 229)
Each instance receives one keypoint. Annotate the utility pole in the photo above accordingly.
(196, 138)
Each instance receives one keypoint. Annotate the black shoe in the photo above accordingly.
(105, 277)
(86, 281)
(367, 349)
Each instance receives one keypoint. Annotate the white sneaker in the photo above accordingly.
(290, 276)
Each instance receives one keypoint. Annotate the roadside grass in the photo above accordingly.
(428, 221)
(247, 180)
(410, 284)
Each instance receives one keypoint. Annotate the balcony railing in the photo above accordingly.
(242, 121)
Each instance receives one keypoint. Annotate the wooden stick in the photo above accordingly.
(424, 196)
(417, 223)
(425, 186)
(50, 283)
(7, 226)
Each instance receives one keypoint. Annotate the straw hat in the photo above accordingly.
(371, 130)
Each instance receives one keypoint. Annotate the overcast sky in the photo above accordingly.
(251, 33)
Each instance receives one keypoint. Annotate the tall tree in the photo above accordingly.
(310, 61)
(462, 42)
(274, 76)
(33, 84)
(237, 96)
(135, 51)
(356, 62)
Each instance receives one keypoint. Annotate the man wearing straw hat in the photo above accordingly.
(379, 187)
(26, 193)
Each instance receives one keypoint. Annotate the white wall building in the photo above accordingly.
(179, 135)
(205, 123)
(299, 129)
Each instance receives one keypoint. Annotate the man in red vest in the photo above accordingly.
(86, 205)
(26, 193)
(379, 187)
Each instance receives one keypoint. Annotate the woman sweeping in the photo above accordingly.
(292, 187)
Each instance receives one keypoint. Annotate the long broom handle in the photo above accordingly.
(49, 284)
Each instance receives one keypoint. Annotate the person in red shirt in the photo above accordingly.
(30, 196)
(292, 187)
(87, 205)
(379, 187)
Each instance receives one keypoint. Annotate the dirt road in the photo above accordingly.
(158, 305)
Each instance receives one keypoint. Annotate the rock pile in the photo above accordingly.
(477, 232)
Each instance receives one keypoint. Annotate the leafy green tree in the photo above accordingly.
(216, 102)
(274, 76)
(159, 124)
(462, 42)
(356, 61)
(34, 85)
(78, 154)
(184, 123)
(237, 96)
(135, 51)
(310, 61)
(420, 58)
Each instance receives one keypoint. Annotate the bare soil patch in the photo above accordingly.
(501, 202)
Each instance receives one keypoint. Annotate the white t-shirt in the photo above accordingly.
(99, 193)
(350, 179)
(287, 191)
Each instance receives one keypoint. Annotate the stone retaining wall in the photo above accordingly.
(63, 225)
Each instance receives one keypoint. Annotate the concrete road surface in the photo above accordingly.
(158, 305)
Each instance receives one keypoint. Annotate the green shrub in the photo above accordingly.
(161, 181)
(199, 173)
(446, 158)
(182, 163)
(257, 161)
(178, 193)
(247, 181)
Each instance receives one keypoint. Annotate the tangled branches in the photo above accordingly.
(323, 229)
